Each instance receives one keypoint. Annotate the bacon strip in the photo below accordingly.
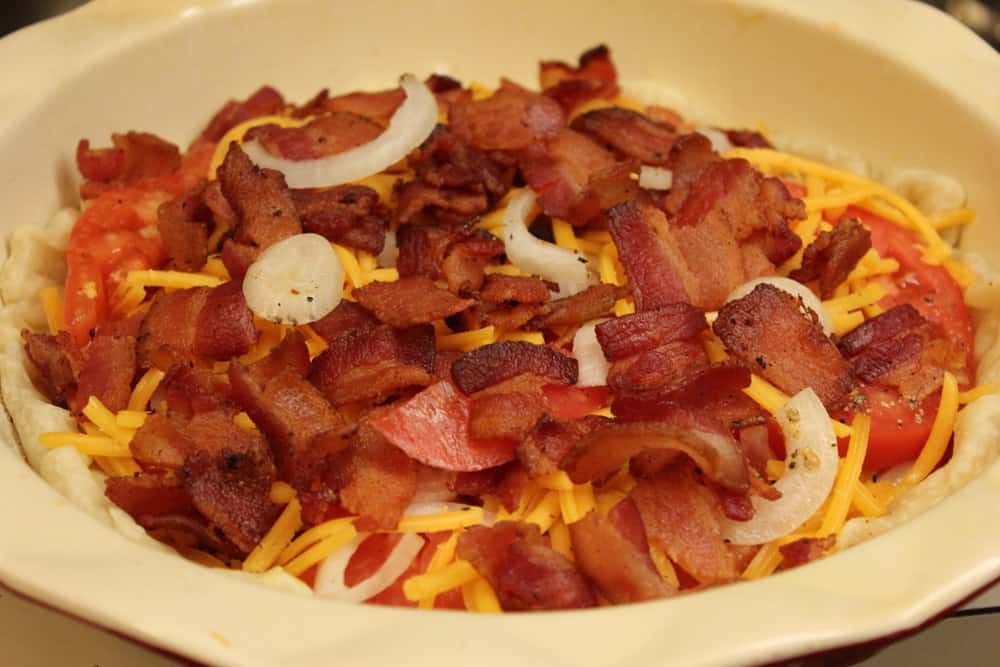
(624, 336)
(134, 157)
(592, 303)
(183, 225)
(595, 77)
(682, 518)
(543, 451)
(509, 120)
(169, 329)
(767, 330)
(108, 371)
(373, 364)
(378, 106)
(613, 553)
(327, 135)
(58, 362)
(499, 289)
(508, 415)
(524, 571)
(224, 327)
(410, 301)
(148, 494)
(833, 255)
(655, 270)
(493, 363)
(629, 133)
(346, 318)
(264, 101)
(351, 215)
(805, 550)
(888, 325)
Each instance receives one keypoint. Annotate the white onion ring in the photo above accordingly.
(390, 251)
(567, 268)
(655, 178)
(295, 281)
(789, 286)
(810, 470)
(720, 142)
(590, 357)
(330, 574)
(412, 123)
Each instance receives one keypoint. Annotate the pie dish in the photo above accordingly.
(883, 586)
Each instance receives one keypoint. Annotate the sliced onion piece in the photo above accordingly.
(810, 470)
(793, 287)
(720, 142)
(412, 123)
(655, 178)
(567, 268)
(330, 574)
(295, 281)
(590, 357)
(390, 251)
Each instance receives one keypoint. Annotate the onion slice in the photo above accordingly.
(655, 178)
(412, 123)
(793, 287)
(295, 281)
(330, 574)
(720, 142)
(590, 357)
(810, 470)
(567, 268)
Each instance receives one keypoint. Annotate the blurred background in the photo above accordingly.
(982, 16)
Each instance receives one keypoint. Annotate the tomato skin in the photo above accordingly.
(899, 430)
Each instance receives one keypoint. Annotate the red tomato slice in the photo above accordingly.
(567, 402)
(797, 190)
(900, 430)
(433, 428)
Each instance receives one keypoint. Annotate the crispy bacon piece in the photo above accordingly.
(509, 120)
(378, 106)
(510, 415)
(327, 135)
(189, 391)
(747, 139)
(629, 133)
(766, 330)
(260, 199)
(108, 371)
(451, 253)
(237, 257)
(696, 387)
(510, 318)
(169, 329)
(134, 157)
(410, 301)
(58, 362)
(560, 170)
(499, 288)
(183, 225)
(622, 337)
(594, 77)
(446, 204)
(373, 364)
(350, 215)
(264, 101)
(656, 271)
(524, 571)
(833, 255)
(682, 518)
(613, 553)
(159, 444)
(422, 250)
(805, 550)
(493, 363)
(148, 494)
(377, 481)
(346, 318)
(224, 327)
(894, 322)
(543, 451)
(606, 449)
(594, 302)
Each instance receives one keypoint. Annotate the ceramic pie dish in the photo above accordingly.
(858, 75)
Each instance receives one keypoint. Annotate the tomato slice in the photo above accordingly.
(899, 430)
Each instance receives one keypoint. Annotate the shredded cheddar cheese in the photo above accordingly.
(432, 584)
(941, 430)
(172, 279)
(764, 562)
(561, 541)
(238, 132)
(316, 534)
(91, 445)
(277, 539)
(664, 566)
(444, 554)
(337, 538)
(976, 393)
(847, 476)
(467, 340)
(432, 523)
(53, 306)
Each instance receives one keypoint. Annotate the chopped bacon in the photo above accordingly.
(261, 200)
(148, 494)
(682, 518)
(377, 481)
(882, 357)
(693, 387)
(183, 224)
(169, 329)
(377, 106)
(615, 556)
(624, 336)
(433, 428)
(374, 364)
(499, 289)
(480, 482)
(560, 170)
(629, 133)
(237, 257)
(805, 550)
(833, 255)
(510, 318)
(594, 77)
(510, 415)
(655, 269)
(224, 327)
(894, 322)
(422, 250)
(592, 303)
(347, 317)
(108, 371)
(493, 363)
(510, 119)
(410, 301)
(606, 449)
(327, 135)
(351, 215)
(524, 571)
(747, 139)
(205, 536)
(134, 157)
(447, 204)
(159, 444)
(767, 330)
(58, 362)
(264, 101)
(542, 452)
(189, 391)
